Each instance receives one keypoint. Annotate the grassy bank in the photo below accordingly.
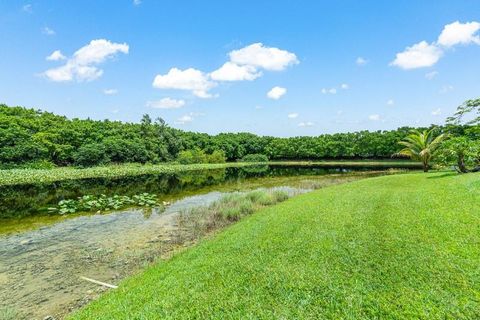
(27, 176)
(393, 247)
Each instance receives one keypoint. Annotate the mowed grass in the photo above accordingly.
(393, 247)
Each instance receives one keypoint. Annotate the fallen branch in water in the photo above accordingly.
(99, 282)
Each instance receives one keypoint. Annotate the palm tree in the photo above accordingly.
(421, 146)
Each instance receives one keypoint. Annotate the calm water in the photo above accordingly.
(28, 200)
(42, 257)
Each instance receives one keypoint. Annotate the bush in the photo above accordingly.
(217, 156)
(192, 156)
(91, 154)
(255, 157)
(199, 156)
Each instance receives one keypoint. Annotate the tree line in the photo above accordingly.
(35, 138)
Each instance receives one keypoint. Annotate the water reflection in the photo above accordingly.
(27, 200)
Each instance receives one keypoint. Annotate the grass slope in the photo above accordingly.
(393, 247)
(28, 176)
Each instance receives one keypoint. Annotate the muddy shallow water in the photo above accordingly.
(41, 261)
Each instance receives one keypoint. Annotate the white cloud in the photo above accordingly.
(185, 119)
(344, 86)
(27, 8)
(246, 64)
(306, 124)
(276, 93)
(331, 90)
(188, 118)
(110, 92)
(166, 103)
(446, 88)
(361, 61)
(459, 33)
(390, 102)
(260, 56)
(48, 31)
(419, 55)
(56, 56)
(437, 112)
(431, 75)
(424, 54)
(189, 79)
(374, 117)
(293, 115)
(137, 2)
(234, 72)
(83, 65)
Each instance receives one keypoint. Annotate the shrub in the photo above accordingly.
(192, 156)
(217, 156)
(91, 154)
(199, 156)
(255, 157)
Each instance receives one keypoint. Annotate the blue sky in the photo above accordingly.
(336, 66)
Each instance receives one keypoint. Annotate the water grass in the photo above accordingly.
(33, 176)
(232, 207)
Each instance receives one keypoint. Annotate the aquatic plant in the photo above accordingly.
(30, 176)
(104, 203)
(230, 208)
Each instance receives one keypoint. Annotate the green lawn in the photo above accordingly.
(29, 176)
(393, 247)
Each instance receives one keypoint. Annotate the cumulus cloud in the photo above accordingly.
(276, 93)
(245, 64)
(56, 56)
(48, 31)
(390, 102)
(344, 86)
(82, 66)
(137, 2)
(268, 58)
(424, 54)
(459, 33)
(234, 72)
(293, 115)
(361, 61)
(110, 92)
(374, 117)
(306, 124)
(419, 55)
(166, 103)
(189, 79)
(437, 112)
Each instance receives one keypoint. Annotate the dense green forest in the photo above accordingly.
(32, 137)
